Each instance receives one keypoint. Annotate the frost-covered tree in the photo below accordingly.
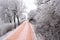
(47, 20)
(10, 11)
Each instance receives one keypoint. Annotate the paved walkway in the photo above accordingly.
(23, 32)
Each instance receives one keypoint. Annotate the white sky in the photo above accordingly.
(29, 5)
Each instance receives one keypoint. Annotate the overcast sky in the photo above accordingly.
(29, 5)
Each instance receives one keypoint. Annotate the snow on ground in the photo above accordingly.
(5, 28)
(6, 35)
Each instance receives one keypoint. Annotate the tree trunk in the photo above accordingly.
(14, 21)
(10, 21)
(18, 20)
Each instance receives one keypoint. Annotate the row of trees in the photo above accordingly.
(11, 10)
(10, 15)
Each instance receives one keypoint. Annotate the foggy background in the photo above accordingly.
(43, 14)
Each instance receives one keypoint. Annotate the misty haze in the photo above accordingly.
(44, 15)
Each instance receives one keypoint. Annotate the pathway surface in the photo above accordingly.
(23, 32)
